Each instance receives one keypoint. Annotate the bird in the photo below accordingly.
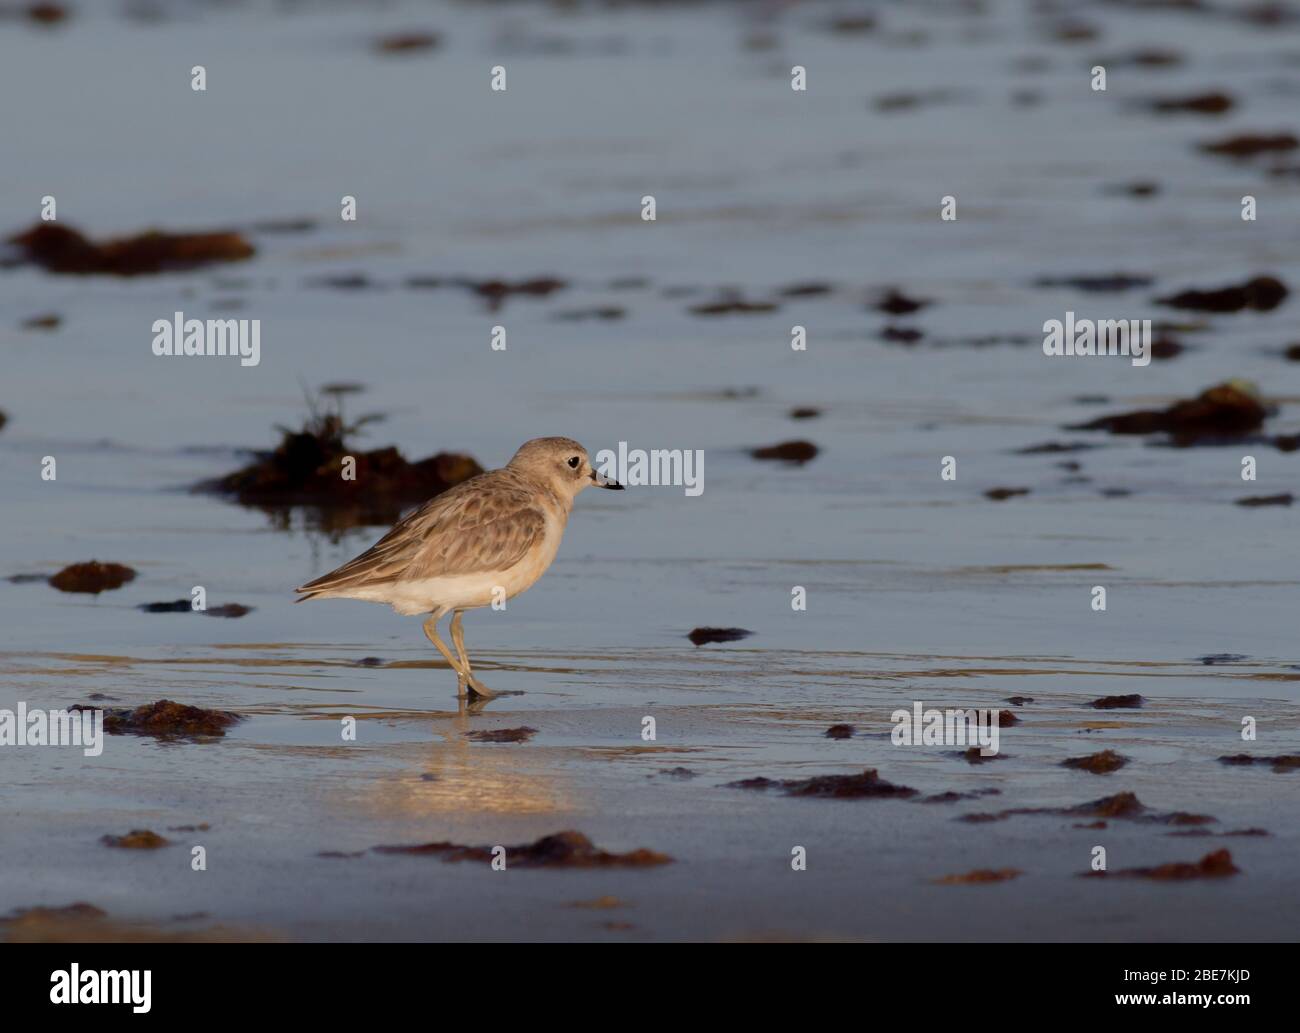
(485, 540)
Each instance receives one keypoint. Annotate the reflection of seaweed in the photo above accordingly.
(306, 470)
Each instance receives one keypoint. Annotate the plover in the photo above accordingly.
(488, 538)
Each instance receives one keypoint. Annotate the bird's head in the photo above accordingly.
(561, 464)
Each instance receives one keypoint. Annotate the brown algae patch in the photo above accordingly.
(227, 610)
(84, 923)
(952, 796)
(61, 249)
(494, 292)
(407, 42)
(1249, 145)
(1130, 702)
(1017, 568)
(603, 313)
(1125, 806)
(1103, 284)
(733, 304)
(305, 470)
(867, 785)
(795, 453)
(92, 577)
(1002, 494)
(605, 903)
(1213, 102)
(1255, 501)
(896, 303)
(702, 635)
(974, 756)
(567, 849)
(43, 13)
(1201, 833)
(1228, 410)
(1102, 763)
(522, 734)
(136, 839)
(1281, 764)
(810, 289)
(979, 876)
(166, 719)
(1262, 294)
(1216, 865)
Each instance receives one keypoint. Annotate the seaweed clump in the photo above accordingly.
(978, 876)
(1131, 702)
(92, 577)
(866, 785)
(1216, 865)
(1226, 411)
(795, 453)
(1283, 763)
(522, 734)
(61, 249)
(136, 839)
(307, 469)
(699, 636)
(166, 719)
(1102, 763)
(1262, 294)
(568, 849)
(1124, 806)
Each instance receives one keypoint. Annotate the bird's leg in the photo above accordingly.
(458, 637)
(431, 629)
(458, 640)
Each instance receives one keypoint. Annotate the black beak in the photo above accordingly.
(611, 485)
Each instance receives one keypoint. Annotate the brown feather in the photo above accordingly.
(485, 524)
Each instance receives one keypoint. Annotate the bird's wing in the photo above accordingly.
(484, 524)
(486, 531)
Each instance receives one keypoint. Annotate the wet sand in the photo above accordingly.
(281, 789)
(918, 589)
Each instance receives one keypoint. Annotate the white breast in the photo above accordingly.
(467, 591)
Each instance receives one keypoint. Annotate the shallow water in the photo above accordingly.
(918, 588)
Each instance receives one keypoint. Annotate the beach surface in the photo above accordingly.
(811, 206)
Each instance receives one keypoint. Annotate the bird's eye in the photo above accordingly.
(573, 463)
